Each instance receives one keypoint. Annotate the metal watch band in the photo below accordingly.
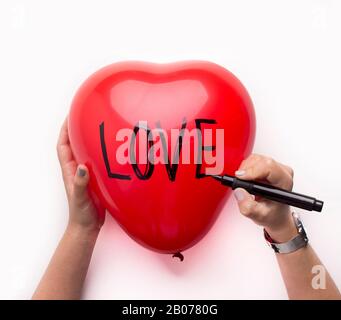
(300, 241)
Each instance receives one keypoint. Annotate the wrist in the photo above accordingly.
(81, 232)
(285, 232)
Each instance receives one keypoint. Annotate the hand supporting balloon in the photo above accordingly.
(67, 270)
(83, 212)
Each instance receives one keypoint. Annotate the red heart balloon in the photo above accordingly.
(163, 206)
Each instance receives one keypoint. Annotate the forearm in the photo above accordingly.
(297, 269)
(297, 273)
(67, 270)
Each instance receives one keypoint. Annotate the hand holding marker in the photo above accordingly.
(272, 193)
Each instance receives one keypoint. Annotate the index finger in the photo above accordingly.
(269, 170)
(63, 144)
(63, 134)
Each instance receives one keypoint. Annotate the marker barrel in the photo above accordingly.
(276, 194)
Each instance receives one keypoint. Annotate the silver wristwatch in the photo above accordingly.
(300, 241)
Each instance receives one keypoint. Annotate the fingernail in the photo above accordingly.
(239, 194)
(81, 172)
(240, 172)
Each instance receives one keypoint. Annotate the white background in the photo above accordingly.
(287, 54)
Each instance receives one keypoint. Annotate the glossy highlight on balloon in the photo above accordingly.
(165, 207)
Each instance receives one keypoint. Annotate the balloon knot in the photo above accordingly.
(178, 255)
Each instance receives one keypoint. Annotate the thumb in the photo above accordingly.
(246, 202)
(80, 183)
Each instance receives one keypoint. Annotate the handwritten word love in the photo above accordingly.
(153, 146)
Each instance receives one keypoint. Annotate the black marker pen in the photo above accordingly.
(272, 193)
